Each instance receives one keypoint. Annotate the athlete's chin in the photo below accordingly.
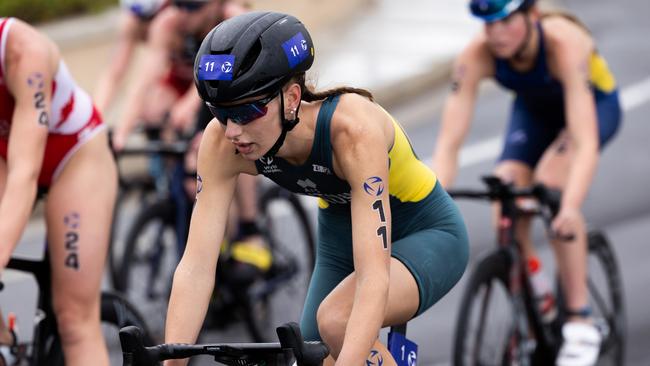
(252, 154)
(501, 51)
(251, 157)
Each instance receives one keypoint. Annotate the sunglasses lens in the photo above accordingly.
(189, 5)
(241, 114)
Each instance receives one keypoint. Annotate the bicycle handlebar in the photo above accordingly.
(134, 352)
(497, 190)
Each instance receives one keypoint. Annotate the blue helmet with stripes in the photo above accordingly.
(493, 10)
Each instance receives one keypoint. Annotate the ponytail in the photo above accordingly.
(309, 95)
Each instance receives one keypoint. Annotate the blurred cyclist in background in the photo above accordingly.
(565, 110)
(52, 140)
(166, 88)
(133, 28)
(174, 37)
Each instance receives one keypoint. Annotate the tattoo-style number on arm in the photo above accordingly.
(37, 82)
(378, 205)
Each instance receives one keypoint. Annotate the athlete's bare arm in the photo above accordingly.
(30, 64)
(473, 64)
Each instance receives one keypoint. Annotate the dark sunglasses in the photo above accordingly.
(241, 114)
(189, 5)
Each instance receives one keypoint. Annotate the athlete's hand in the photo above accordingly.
(183, 114)
(567, 223)
(118, 141)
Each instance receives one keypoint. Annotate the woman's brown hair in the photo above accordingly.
(310, 95)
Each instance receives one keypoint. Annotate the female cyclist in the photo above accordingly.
(391, 241)
(132, 29)
(565, 109)
(173, 38)
(52, 138)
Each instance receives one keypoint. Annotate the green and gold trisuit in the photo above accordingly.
(428, 232)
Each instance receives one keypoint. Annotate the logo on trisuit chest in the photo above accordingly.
(268, 167)
(321, 169)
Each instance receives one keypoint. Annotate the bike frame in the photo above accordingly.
(45, 325)
(527, 316)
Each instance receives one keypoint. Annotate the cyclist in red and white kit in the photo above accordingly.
(52, 139)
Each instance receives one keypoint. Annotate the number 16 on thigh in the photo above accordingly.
(404, 351)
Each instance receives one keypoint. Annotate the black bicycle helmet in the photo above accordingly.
(252, 54)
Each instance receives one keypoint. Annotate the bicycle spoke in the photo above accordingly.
(482, 318)
(597, 298)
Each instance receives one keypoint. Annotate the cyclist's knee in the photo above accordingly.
(332, 321)
(76, 322)
(514, 171)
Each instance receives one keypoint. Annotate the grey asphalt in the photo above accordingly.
(618, 201)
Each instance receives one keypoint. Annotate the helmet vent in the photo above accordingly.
(251, 57)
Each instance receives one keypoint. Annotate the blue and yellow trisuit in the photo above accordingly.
(538, 110)
(428, 232)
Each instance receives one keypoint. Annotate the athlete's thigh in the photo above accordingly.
(78, 214)
(326, 276)
(403, 296)
(553, 167)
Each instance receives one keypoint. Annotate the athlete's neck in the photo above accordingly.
(299, 141)
(525, 59)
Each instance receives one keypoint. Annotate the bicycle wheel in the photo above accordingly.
(280, 297)
(116, 247)
(606, 298)
(149, 259)
(486, 327)
(130, 196)
(49, 351)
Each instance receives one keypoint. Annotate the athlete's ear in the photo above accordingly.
(535, 13)
(292, 95)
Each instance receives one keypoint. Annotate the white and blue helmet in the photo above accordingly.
(144, 9)
(493, 10)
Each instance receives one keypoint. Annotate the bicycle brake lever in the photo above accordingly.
(133, 349)
(306, 353)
